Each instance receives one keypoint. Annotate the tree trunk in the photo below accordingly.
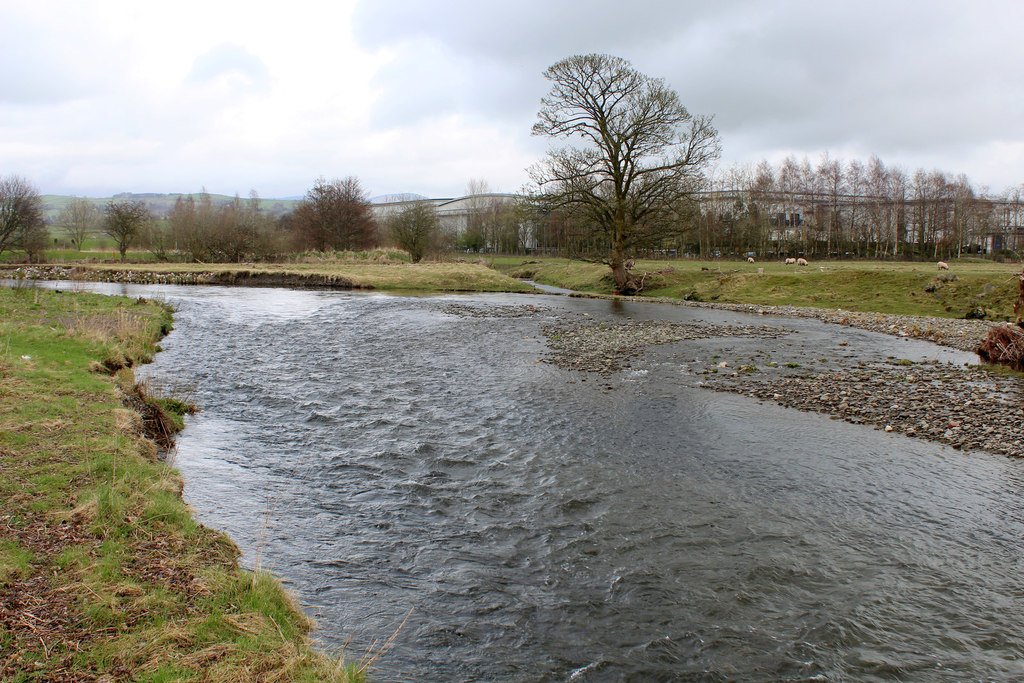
(619, 273)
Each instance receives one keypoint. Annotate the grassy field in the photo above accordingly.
(915, 288)
(885, 287)
(104, 575)
(95, 250)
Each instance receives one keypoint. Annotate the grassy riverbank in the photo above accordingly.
(341, 274)
(883, 287)
(104, 575)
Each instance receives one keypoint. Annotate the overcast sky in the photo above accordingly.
(106, 96)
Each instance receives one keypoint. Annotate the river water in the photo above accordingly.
(388, 457)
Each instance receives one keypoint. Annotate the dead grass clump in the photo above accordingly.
(128, 422)
(161, 417)
(1004, 345)
(81, 515)
(40, 426)
(115, 361)
(250, 624)
(106, 329)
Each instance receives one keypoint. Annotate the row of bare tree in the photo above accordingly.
(22, 225)
(334, 216)
(851, 209)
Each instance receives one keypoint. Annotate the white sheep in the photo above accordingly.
(791, 261)
(801, 261)
(750, 259)
(943, 265)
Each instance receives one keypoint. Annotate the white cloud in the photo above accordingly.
(115, 95)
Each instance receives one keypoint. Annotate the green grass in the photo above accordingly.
(93, 253)
(883, 287)
(95, 542)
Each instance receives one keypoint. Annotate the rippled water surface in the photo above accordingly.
(388, 457)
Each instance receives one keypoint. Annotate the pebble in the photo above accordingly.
(609, 347)
(120, 276)
(965, 407)
(508, 311)
(957, 333)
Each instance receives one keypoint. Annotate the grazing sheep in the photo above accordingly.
(943, 265)
(801, 262)
(791, 261)
(750, 259)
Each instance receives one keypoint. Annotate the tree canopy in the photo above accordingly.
(415, 229)
(635, 155)
(334, 215)
(124, 222)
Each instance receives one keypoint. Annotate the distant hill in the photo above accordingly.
(159, 204)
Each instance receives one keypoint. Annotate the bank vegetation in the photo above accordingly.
(104, 574)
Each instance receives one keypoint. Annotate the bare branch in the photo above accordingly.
(639, 153)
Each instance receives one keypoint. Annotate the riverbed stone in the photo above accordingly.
(965, 407)
(605, 348)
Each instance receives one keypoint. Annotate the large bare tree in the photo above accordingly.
(635, 155)
(21, 213)
(124, 221)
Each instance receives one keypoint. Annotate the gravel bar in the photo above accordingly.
(965, 407)
(957, 333)
(609, 347)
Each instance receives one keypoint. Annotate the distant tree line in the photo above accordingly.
(829, 209)
(333, 216)
(852, 209)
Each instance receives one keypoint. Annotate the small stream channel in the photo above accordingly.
(388, 457)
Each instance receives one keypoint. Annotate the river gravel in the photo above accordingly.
(965, 407)
(956, 333)
(968, 407)
(610, 347)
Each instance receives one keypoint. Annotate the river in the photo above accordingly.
(388, 457)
